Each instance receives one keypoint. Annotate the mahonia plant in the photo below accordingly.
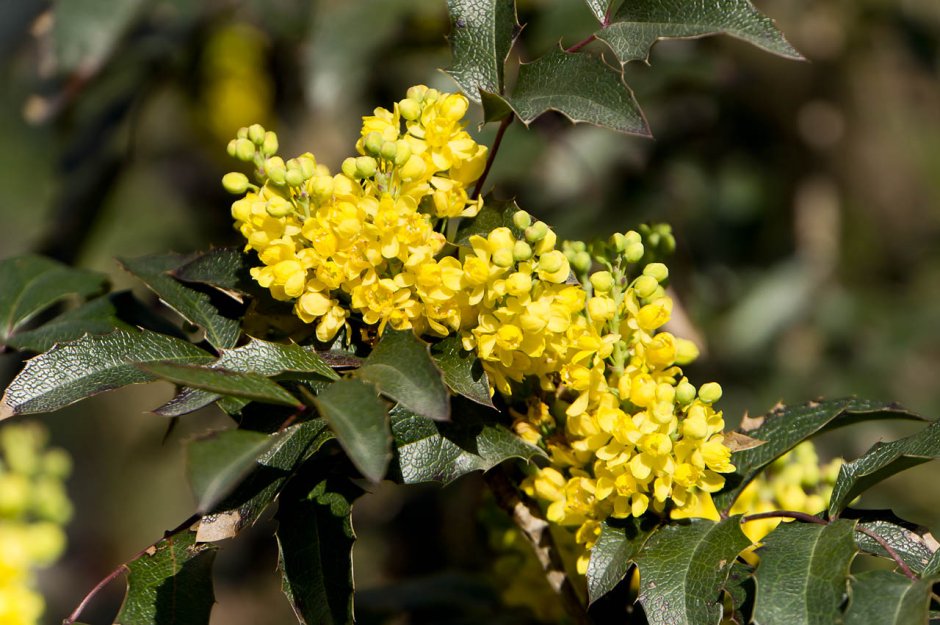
(387, 320)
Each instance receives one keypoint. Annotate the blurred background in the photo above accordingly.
(805, 200)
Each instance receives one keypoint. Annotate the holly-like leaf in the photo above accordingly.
(614, 553)
(73, 371)
(359, 420)
(251, 386)
(638, 24)
(315, 539)
(217, 463)
(430, 451)
(225, 268)
(261, 487)
(739, 587)
(170, 584)
(463, 371)
(598, 8)
(192, 305)
(684, 567)
(98, 316)
(481, 34)
(581, 87)
(786, 426)
(401, 368)
(887, 598)
(803, 573)
(494, 214)
(30, 284)
(933, 565)
(256, 356)
(914, 545)
(881, 462)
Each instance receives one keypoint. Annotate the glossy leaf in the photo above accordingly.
(481, 34)
(614, 553)
(73, 371)
(786, 426)
(359, 420)
(463, 371)
(886, 598)
(881, 462)
(598, 8)
(933, 565)
(98, 316)
(30, 284)
(315, 539)
(219, 462)
(683, 568)
(494, 214)
(192, 305)
(803, 573)
(225, 268)
(401, 368)
(638, 24)
(915, 546)
(252, 386)
(170, 584)
(261, 487)
(581, 87)
(430, 451)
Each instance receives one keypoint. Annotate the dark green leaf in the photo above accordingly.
(87, 31)
(494, 214)
(315, 539)
(251, 386)
(581, 87)
(463, 372)
(785, 426)
(481, 34)
(683, 569)
(193, 306)
(886, 598)
(359, 420)
(30, 284)
(401, 368)
(638, 24)
(98, 316)
(218, 462)
(909, 543)
(614, 553)
(225, 268)
(739, 588)
(598, 8)
(933, 565)
(881, 462)
(253, 495)
(430, 451)
(92, 364)
(170, 584)
(803, 573)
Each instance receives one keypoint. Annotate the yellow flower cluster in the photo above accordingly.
(33, 508)
(626, 432)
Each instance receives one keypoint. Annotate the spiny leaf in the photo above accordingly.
(218, 462)
(92, 364)
(481, 34)
(881, 462)
(887, 598)
(258, 357)
(638, 24)
(598, 8)
(30, 284)
(785, 426)
(494, 214)
(359, 420)
(98, 316)
(914, 545)
(251, 386)
(932, 567)
(463, 372)
(170, 584)
(315, 539)
(401, 368)
(614, 553)
(193, 306)
(581, 87)
(225, 268)
(429, 451)
(683, 569)
(803, 573)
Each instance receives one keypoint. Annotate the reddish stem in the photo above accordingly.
(492, 155)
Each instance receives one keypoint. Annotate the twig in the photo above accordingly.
(785, 514)
(527, 517)
(492, 155)
(581, 44)
(891, 552)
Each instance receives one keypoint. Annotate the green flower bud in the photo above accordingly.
(602, 281)
(685, 392)
(349, 167)
(503, 258)
(389, 150)
(618, 242)
(552, 261)
(294, 177)
(634, 252)
(242, 133)
(536, 232)
(521, 220)
(521, 251)
(278, 176)
(321, 187)
(269, 147)
(577, 246)
(256, 134)
(366, 167)
(278, 207)
(402, 152)
(686, 351)
(235, 182)
(710, 392)
(645, 286)
(372, 143)
(658, 271)
(582, 262)
(244, 150)
(409, 108)
(416, 93)
(308, 165)
(232, 148)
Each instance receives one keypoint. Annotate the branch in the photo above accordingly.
(891, 552)
(528, 518)
(581, 44)
(785, 514)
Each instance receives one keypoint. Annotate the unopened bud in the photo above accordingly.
(269, 146)
(256, 134)
(503, 258)
(521, 219)
(710, 392)
(244, 150)
(372, 143)
(618, 242)
(365, 166)
(308, 165)
(658, 271)
(645, 286)
(685, 392)
(582, 262)
(409, 108)
(602, 281)
(235, 182)
(634, 252)
(349, 167)
(686, 351)
(242, 133)
(278, 207)
(536, 232)
(294, 177)
(232, 148)
(402, 152)
(388, 150)
(521, 251)
(321, 187)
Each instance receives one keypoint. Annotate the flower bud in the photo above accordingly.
(618, 242)
(402, 152)
(244, 150)
(242, 133)
(503, 258)
(521, 219)
(685, 392)
(389, 150)
(294, 177)
(321, 187)
(686, 351)
(658, 271)
(269, 146)
(349, 167)
(551, 262)
(235, 182)
(521, 251)
(634, 252)
(366, 166)
(232, 148)
(409, 108)
(710, 392)
(602, 281)
(454, 106)
(372, 143)
(645, 286)
(256, 134)
(278, 207)
(536, 232)
(308, 165)
(582, 262)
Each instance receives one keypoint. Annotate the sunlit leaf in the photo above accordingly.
(481, 34)
(886, 598)
(463, 371)
(251, 386)
(614, 553)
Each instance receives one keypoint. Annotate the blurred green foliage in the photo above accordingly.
(805, 200)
